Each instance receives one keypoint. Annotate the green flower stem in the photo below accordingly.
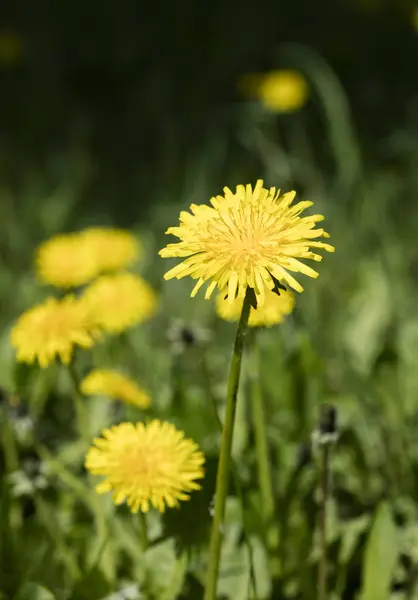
(260, 434)
(80, 407)
(222, 477)
(234, 471)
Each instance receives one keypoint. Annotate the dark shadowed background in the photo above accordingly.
(141, 87)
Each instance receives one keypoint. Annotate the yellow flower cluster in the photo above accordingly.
(112, 303)
(73, 259)
(252, 239)
(145, 464)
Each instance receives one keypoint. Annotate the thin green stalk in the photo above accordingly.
(144, 530)
(326, 436)
(235, 476)
(10, 446)
(80, 407)
(260, 435)
(323, 522)
(222, 477)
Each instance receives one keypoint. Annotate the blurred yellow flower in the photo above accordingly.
(73, 259)
(117, 302)
(114, 248)
(115, 385)
(146, 465)
(52, 329)
(65, 261)
(283, 91)
(11, 48)
(414, 19)
(273, 311)
(250, 238)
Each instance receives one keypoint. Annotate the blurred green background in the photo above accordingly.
(122, 115)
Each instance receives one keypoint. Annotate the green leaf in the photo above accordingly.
(164, 572)
(368, 316)
(33, 591)
(92, 587)
(351, 536)
(176, 580)
(381, 555)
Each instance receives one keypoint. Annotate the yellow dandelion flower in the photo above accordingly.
(74, 259)
(114, 248)
(52, 329)
(251, 238)
(273, 311)
(146, 464)
(283, 90)
(65, 261)
(119, 301)
(115, 385)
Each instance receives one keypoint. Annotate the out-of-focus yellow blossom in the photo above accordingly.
(251, 238)
(414, 19)
(65, 261)
(283, 91)
(117, 302)
(74, 259)
(146, 465)
(114, 248)
(280, 91)
(115, 385)
(11, 48)
(52, 329)
(272, 312)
